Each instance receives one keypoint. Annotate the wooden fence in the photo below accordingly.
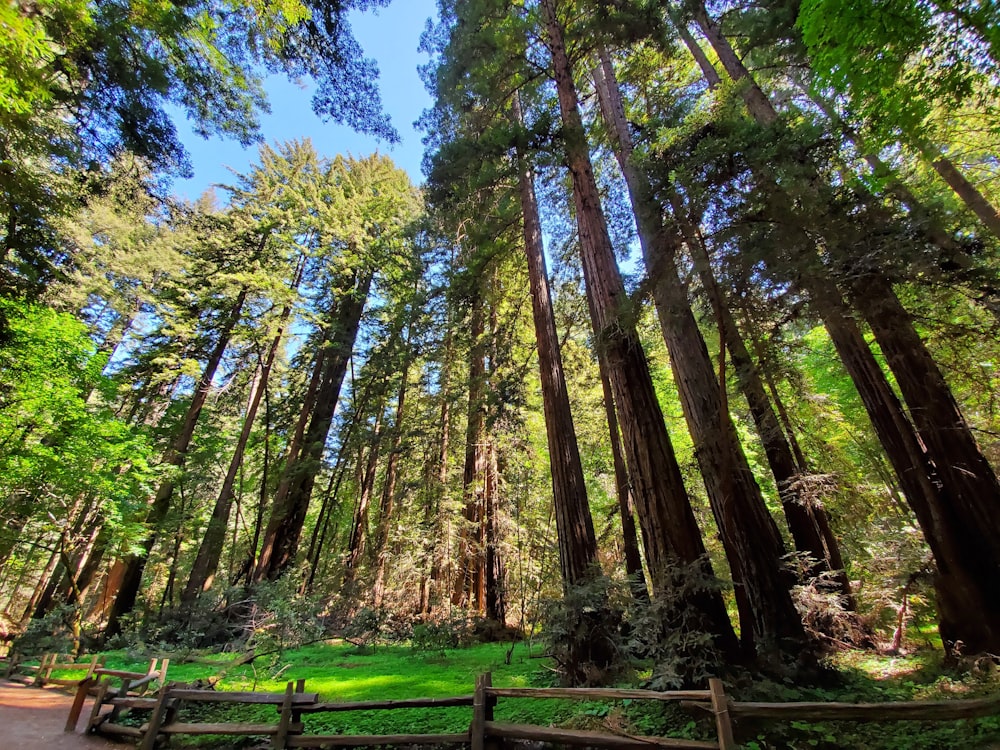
(288, 728)
(40, 674)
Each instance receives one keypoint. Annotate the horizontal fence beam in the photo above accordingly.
(344, 740)
(110, 728)
(588, 738)
(969, 708)
(458, 700)
(121, 673)
(600, 694)
(221, 696)
(234, 729)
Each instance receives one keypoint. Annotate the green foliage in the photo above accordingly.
(660, 635)
(280, 618)
(441, 635)
(925, 49)
(581, 631)
(60, 443)
(81, 83)
(51, 634)
(136, 57)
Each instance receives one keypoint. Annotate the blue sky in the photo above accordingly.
(390, 36)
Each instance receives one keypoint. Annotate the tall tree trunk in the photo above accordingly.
(806, 518)
(292, 452)
(468, 586)
(623, 490)
(78, 548)
(751, 539)
(438, 547)
(950, 486)
(952, 252)
(574, 524)
(968, 520)
(39, 587)
(206, 562)
(669, 527)
(494, 593)
(135, 565)
(323, 529)
(968, 193)
(387, 502)
(288, 513)
(367, 468)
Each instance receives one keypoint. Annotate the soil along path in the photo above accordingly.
(33, 718)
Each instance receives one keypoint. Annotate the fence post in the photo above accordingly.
(156, 719)
(300, 687)
(92, 667)
(278, 742)
(720, 707)
(164, 663)
(95, 711)
(39, 680)
(13, 661)
(482, 711)
(81, 695)
(121, 693)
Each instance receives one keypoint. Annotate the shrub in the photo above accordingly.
(582, 631)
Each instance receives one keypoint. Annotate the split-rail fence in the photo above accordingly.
(165, 713)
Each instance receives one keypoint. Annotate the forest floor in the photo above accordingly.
(341, 672)
(33, 718)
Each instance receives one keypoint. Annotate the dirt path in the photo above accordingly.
(33, 718)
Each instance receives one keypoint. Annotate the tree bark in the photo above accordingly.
(623, 490)
(288, 512)
(438, 548)
(672, 536)
(968, 515)
(367, 466)
(947, 482)
(135, 565)
(574, 524)
(387, 502)
(985, 211)
(206, 562)
(805, 517)
(494, 595)
(750, 537)
(469, 584)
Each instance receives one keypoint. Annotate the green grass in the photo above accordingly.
(341, 672)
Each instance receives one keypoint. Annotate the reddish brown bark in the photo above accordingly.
(751, 539)
(470, 581)
(387, 503)
(806, 518)
(623, 490)
(291, 501)
(967, 516)
(947, 482)
(669, 527)
(367, 466)
(574, 525)
(210, 550)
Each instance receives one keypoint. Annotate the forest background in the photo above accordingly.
(739, 410)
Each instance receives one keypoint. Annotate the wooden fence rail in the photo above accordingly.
(969, 708)
(40, 674)
(288, 730)
(715, 698)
